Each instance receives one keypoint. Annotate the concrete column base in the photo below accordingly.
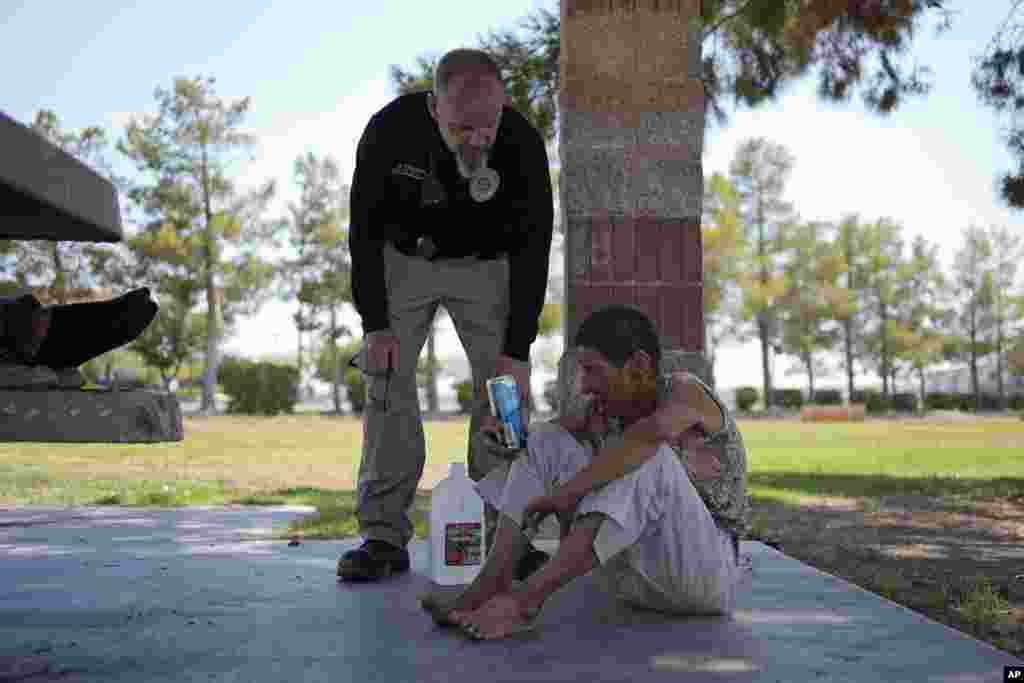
(90, 416)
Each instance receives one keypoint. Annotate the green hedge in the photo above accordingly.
(904, 403)
(746, 397)
(464, 395)
(790, 399)
(355, 385)
(872, 399)
(989, 402)
(828, 397)
(939, 400)
(258, 388)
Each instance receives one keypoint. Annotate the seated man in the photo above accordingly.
(60, 338)
(648, 483)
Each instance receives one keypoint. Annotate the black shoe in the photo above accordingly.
(373, 560)
(531, 562)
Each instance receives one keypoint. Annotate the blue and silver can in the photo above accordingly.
(503, 395)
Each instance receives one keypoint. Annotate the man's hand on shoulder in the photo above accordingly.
(689, 413)
(689, 405)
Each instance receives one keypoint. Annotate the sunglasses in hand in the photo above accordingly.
(378, 399)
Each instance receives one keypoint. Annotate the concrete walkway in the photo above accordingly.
(117, 594)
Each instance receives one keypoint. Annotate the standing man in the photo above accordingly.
(451, 205)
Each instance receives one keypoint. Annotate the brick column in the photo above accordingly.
(631, 134)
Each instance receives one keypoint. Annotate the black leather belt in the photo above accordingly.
(424, 248)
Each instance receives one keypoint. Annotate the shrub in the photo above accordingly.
(355, 387)
(938, 400)
(828, 397)
(872, 400)
(904, 403)
(790, 399)
(464, 395)
(259, 388)
(746, 397)
(877, 404)
(1016, 402)
(990, 402)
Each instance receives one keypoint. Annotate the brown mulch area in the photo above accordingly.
(924, 553)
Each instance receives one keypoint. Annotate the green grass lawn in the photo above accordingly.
(791, 461)
(314, 460)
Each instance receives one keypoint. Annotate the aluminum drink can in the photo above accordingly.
(503, 395)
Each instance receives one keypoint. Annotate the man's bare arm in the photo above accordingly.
(689, 405)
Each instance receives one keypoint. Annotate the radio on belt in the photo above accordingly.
(503, 395)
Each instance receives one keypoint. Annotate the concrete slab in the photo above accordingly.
(117, 594)
(47, 194)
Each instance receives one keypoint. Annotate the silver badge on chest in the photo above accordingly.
(484, 184)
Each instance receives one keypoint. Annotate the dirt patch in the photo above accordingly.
(957, 562)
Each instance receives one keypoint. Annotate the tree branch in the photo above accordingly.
(729, 17)
(1006, 22)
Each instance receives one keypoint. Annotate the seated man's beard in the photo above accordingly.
(631, 386)
(469, 165)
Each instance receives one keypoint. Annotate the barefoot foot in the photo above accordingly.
(500, 617)
(443, 606)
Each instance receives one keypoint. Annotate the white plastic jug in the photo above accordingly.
(456, 529)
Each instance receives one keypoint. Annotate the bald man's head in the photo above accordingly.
(467, 102)
(469, 67)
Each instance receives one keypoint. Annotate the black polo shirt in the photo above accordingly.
(400, 147)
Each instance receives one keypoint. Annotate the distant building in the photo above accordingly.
(956, 378)
(946, 377)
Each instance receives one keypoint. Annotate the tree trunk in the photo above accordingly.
(848, 344)
(975, 383)
(809, 362)
(208, 404)
(1000, 387)
(710, 356)
(432, 402)
(60, 280)
(765, 364)
(920, 377)
(848, 256)
(883, 315)
(298, 354)
(336, 384)
(762, 318)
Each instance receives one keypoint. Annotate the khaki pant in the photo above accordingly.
(474, 292)
(658, 546)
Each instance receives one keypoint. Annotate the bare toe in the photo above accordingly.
(499, 617)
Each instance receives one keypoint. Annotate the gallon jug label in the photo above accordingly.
(462, 544)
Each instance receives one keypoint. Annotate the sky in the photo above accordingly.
(315, 77)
